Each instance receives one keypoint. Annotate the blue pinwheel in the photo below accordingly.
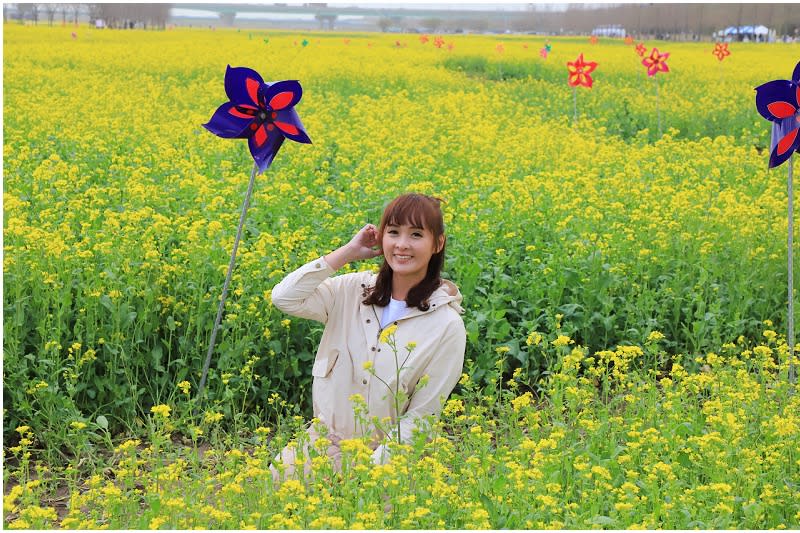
(263, 113)
(779, 102)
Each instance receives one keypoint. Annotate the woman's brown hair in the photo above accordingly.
(420, 211)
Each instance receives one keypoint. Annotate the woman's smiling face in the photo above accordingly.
(408, 249)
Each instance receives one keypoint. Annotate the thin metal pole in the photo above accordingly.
(790, 317)
(658, 110)
(574, 105)
(228, 276)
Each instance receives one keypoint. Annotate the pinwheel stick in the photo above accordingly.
(574, 105)
(228, 276)
(790, 317)
(658, 109)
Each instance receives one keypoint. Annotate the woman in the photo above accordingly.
(353, 357)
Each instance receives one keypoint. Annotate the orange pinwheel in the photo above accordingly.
(656, 62)
(721, 51)
(579, 71)
(593, 39)
(423, 39)
(438, 42)
(629, 40)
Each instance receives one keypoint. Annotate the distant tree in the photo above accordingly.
(431, 24)
(524, 23)
(384, 24)
(50, 10)
(129, 15)
(33, 9)
(476, 24)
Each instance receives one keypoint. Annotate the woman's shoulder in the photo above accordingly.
(362, 279)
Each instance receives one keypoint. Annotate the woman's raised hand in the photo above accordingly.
(364, 245)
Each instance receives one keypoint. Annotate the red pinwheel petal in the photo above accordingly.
(264, 154)
(228, 125)
(281, 100)
(776, 91)
(289, 124)
(260, 136)
(252, 89)
(786, 143)
(781, 109)
(283, 94)
(241, 85)
(236, 113)
(573, 80)
(287, 128)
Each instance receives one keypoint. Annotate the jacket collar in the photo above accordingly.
(446, 294)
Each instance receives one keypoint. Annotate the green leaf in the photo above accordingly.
(602, 520)
(102, 422)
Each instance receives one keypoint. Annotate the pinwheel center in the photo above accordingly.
(263, 116)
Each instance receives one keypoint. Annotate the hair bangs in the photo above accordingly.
(416, 211)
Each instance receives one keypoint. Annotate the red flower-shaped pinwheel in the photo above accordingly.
(263, 113)
(779, 102)
(721, 51)
(438, 42)
(423, 39)
(656, 62)
(641, 49)
(579, 71)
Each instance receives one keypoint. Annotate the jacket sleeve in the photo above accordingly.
(443, 373)
(307, 292)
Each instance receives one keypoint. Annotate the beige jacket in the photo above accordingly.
(352, 338)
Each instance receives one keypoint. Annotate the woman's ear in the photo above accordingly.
(440, 245)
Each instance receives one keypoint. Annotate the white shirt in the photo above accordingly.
(394, 311)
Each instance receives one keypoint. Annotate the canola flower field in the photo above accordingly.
(625, 288)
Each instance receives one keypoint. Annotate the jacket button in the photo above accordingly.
(379, 349)
(373, 348)
(364, 381)
(317, 265)
(368, 321)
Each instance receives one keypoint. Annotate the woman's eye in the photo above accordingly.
(417, 234)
